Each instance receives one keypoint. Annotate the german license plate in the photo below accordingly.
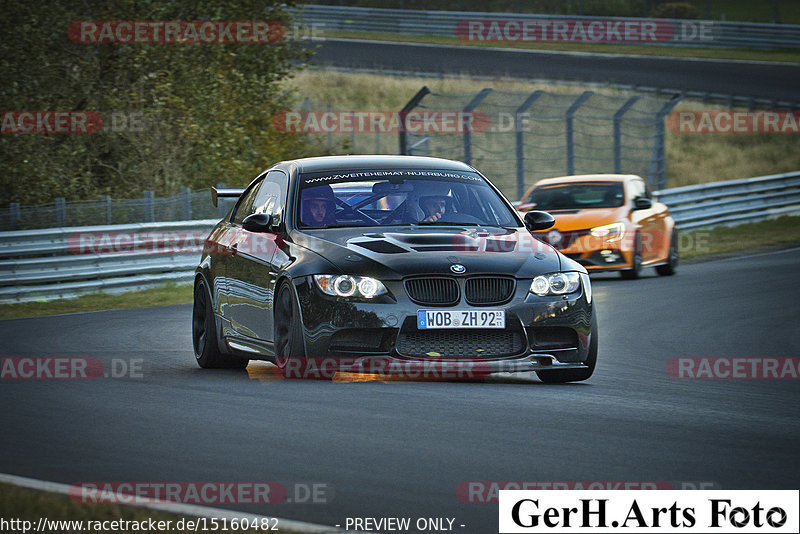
(427, 319)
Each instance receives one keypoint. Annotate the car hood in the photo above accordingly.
(395, 252)
(568, 220)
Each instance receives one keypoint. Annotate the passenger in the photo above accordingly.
(434, 206)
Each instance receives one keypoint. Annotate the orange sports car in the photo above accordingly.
(606, 222)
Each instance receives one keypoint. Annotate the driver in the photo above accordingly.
(434, 207)
(318, 206)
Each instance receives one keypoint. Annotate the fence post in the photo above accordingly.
(15, 215)
(657, 177)
(353, 133)
(330, 134)
(520, 138)
(475, 102)
(187, 204)
(149, 207)
(570, 130)
(106, 199)
(618, 132)
(61, 212)
(414, 102)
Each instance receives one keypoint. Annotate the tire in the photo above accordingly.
(636, 268)
(204, 334)
(290, 356)
(669, 268)
(560, 376)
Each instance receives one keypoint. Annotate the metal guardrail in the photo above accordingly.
(733, 202)
(679, 32)
(68, 262)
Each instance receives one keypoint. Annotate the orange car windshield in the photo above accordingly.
(577, 196)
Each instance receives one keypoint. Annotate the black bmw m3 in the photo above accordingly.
(391, 265)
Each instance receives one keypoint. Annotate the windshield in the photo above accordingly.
(577, 196)
(400, 197)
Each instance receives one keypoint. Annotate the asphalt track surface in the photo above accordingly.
(389, 449)
(742, 78)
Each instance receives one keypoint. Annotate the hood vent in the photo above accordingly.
(381, 247)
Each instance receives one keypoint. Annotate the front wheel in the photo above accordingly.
(204, 334)
(636, 263)
(669, 268)
(560, 376)
(290, 354)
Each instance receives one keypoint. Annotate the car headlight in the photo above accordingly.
(609, 232)
(556, 284)
(345, 285)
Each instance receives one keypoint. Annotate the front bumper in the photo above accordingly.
(381, 336)
(593, 253)
(603, 259)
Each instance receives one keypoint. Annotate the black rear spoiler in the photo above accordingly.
(224, 193)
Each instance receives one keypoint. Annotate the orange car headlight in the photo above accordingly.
(609, 232)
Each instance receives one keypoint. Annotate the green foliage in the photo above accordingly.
(204, 110)
(675, 10)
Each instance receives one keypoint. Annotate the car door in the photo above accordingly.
(252, 273)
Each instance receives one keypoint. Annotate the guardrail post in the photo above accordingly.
(106, 199)
(149, 207)
(187, 204)
(518, 116)
(475, 102)
(570, 116)
(221, 211)
(657, 177)
(618, 132)
(15, 214)
(61, 212)
(414, 102)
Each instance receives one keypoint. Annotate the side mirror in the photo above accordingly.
(642, 203)
(258, 222)
(538, 220)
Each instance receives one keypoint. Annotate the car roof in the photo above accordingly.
(335, 163)
(588, 178)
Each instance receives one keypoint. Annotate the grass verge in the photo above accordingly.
(30, 505)
(724, 240)
(789, 56)
(163, 295)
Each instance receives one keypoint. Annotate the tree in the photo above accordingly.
(174, 114)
